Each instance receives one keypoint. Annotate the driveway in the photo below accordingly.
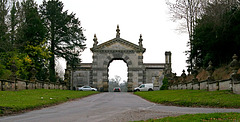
(107, 107)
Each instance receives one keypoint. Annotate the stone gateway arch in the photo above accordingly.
(95, 74)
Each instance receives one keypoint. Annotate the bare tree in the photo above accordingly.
(187, 12)
(123, 86)
(114, 82)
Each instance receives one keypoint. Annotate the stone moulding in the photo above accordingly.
(115, 51)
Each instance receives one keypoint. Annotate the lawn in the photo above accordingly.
(16, 101)
(212, 117)
(194, 98)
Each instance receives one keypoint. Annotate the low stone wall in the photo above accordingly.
(8, 85)
(236, 88)
(203, 85)
(209, 85)
(204, 81)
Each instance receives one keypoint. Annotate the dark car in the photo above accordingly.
(117, 89)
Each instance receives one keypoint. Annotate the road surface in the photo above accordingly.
(107, 107)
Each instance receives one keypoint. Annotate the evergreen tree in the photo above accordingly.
(13, 22)
(65, 34)
(32, 35)
(32, 30)
(216, 36)
(3, 25)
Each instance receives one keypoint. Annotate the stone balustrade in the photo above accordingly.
(210, 84)
(15, 84)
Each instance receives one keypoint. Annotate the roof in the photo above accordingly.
(130, 46)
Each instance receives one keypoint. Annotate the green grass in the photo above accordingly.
(195, 98)
(15, 101)
(212, 117)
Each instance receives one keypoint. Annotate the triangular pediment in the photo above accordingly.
(118, 44)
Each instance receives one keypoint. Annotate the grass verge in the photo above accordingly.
(212, 117)
(17, 101)
(193, 98)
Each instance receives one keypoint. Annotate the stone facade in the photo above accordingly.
(95, 74)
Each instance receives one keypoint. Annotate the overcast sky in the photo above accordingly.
(150, 18)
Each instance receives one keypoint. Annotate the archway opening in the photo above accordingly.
(117, 75)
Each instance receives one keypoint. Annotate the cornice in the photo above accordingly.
(136, 48)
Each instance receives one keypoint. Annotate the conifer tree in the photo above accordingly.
(65, 34)
(3, 25)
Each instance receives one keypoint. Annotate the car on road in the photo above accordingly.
(144, 87)
(87, 88)
(117, 89)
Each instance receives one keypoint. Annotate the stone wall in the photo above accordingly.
(16, 84)
(210, 84)
(7, 85)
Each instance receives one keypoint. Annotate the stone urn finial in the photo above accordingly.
(234, 64)
(195, 72)
(66, 75)
(210, 69)
(140, 41)
(14, 70)
(95, 41)
(33, 73)
(47, 75)
(183, 75)
(118, 32)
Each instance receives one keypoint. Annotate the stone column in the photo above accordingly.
(183, 77)
(156, 83)
(13, 76)
(105, 80)
(47, 81)
(234, 76)
(195, 80)
(130, 81)
(168, 62)
(33, 78)
(66, 78)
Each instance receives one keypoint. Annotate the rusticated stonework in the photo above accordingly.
(95, 74)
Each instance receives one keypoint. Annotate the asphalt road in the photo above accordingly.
(107, 107)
